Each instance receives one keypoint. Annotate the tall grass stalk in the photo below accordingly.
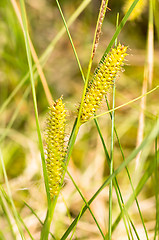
(156, 235)
(115, 182)
(127, 171)
(26, 38)
(111, 152)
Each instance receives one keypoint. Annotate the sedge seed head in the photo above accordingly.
(55, 145)
(102, 81)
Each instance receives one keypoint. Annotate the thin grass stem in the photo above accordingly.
(137, 236)
(5, 208)
(2, 237)
(34, 213)
(86, 203)
(128, 175)
(71, 41)
(11, 199)
(156, 16)
(156, 193)
(115, 182)
(111, 153)
(127, 103)
(26, 37)
(19, 217)
(46, 227)
(138, 189)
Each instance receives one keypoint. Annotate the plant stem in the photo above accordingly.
(46, 227)
(111, 168)
(111, 153)
(156, 194)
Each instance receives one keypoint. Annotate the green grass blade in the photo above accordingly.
(79, 216)
(122, 153)
(11, 199)
(137, 236)
(146, 142)
(34, 213)
(86, 204)
(6, 212)
(2, 237)
(111, 154)
(138, 189)
(156, 16)
(111, 168)
(71, 41)
(115, 182)
(19, 217)
(156, 194)
(74, 16)
(34, 97)
(127, 103)
(130, 234)
(46, 226)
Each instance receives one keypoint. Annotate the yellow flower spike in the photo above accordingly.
(55, 145)
(102, 81)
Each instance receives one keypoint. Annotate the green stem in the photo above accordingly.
(86, 204)
(156, 194)
(6, 213)
(111, 168)
(18, 223)
(46, 227)
(26, 38)
(128, 174)
(111, 153)
(115, 182)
